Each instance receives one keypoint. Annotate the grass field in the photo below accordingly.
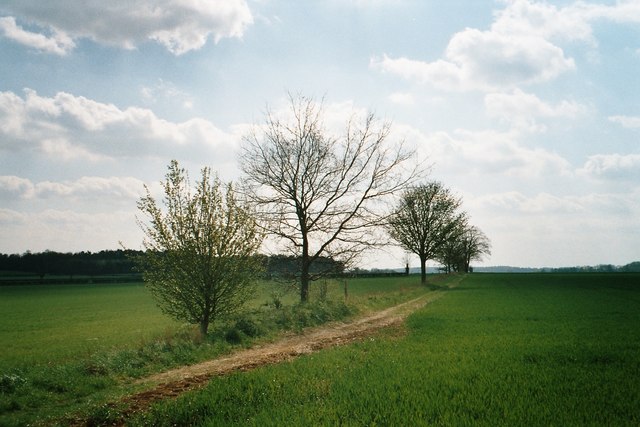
(66, 348)
(496, 350)
(54, 323)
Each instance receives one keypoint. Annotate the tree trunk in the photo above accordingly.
(304, 282)
(423, 270)
(304, 272)
(204, 325)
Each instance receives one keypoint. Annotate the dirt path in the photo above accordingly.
(172, 383)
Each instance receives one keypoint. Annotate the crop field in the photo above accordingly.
(499, 349)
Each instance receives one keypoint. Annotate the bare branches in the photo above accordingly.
(319, 192)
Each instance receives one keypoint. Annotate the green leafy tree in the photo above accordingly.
(200, 261)
(426, 218)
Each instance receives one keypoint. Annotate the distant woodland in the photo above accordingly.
(119, 266)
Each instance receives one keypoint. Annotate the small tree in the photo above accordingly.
(200, 261)
(425, 219)
(474, 245)
(452, 252)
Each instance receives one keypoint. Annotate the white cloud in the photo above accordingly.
(484, 60)
(521, 47)
(121, 189)
(74, 127)
(15, 187)
(179, 25)
(629, 122)
(524, 109)
(544, 20)
(603, 227)
(60, 230)
(491, 152)
(57, 43)
(613, 166)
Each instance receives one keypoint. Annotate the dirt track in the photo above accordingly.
(172, 383)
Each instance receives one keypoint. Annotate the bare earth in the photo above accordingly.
(171, 384)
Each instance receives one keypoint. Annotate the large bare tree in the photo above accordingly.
(321, 193)
(426, 218)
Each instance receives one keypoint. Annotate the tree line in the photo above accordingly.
(51, 263)
(315, 193)
(123, 262)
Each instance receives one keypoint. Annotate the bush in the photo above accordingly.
(250, 327)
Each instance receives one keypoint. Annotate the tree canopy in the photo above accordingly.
(426, 218)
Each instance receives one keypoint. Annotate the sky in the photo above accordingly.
(527, 110)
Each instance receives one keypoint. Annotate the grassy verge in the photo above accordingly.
(497, 350)
(69, 349)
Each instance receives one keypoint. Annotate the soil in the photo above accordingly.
(171, 384)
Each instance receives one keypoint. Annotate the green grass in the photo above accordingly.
(66, 349)
(496, 350)
(55, 323)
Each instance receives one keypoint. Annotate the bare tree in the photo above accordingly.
(320, 193)
(452, 251)
(200, 261)
(474, 245)
(425, 219)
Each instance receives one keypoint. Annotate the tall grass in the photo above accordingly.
(496, 350)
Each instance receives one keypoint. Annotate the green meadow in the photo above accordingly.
(499, 349)
(496, 349)
(69, 348)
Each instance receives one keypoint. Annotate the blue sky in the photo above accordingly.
(529, 110)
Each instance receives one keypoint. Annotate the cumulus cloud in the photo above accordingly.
(57, 42)
(75, 127)
(15, 187)
(493, 153)
(179, 25)
(612, 166)
(485, 60)
(544, 20)
(566, 211)
(521, 47)
(524, 109)
(93, 188)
